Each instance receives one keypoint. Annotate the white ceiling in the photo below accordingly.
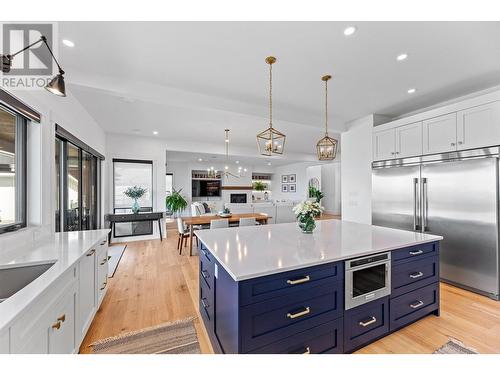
(190, 80)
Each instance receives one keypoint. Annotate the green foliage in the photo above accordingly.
(135, 192)
(175, 202)
(315, 193)
(259, 186)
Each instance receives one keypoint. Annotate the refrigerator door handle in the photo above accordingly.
(415, 203)
(424, 204)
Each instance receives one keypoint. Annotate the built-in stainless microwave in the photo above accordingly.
(367, 279)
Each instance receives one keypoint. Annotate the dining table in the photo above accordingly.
(192, 221)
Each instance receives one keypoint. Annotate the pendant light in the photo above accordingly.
(226, 172)
(326, 148)
(271, 141)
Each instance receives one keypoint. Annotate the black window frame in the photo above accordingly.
(21, 155)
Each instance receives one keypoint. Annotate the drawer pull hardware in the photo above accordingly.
(416, 305)
(62, 318)
(416, 275)
(91, 252)
(368, 322)
(205, 274)
(104, 285)
(299, 281)
(204, 303)
(308, 351)
(56, 325)
(418, 252)
(104, 262)
(299, 314)
(103, 243)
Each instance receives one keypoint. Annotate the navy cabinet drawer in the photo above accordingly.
(205, 254)
(325, 338)
(412, 275)
(264, 322)
(206, 305)
(415, 252)
(365, 323)
(296, 281)
(412, 306)
(206, 271)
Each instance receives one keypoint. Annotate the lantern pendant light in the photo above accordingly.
(271, 141)
(326, 148)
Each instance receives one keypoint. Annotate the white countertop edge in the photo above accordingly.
(19, 302)
(319, 262)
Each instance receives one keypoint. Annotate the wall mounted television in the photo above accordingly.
(206, 188)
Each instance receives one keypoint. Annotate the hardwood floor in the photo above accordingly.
(153, 285)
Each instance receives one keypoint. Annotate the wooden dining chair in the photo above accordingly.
(183, 235)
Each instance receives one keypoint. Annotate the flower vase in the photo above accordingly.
(135, 207)
(307, 224)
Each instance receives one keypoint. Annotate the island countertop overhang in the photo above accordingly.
(250, 252)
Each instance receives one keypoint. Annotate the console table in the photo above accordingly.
(128, 218)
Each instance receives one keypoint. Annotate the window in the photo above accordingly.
(12, 171)
(129, 173)
(77, 184)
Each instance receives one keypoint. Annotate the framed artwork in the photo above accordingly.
(292, 188)
(284, 178)
(284, 188)
(292, 178)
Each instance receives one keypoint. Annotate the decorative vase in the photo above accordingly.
(307, 224)
(135, 207)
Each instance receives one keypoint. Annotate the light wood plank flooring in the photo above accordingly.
(153, 285)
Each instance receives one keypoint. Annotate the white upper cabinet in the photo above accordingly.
(384, 144)
(479, 126)
(440, 134)
(409, 140)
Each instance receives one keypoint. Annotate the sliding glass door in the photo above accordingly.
(77, 187)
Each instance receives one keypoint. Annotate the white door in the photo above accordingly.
(384, 143)
(62, 330)
(409, 140)
(87, 291)
(479, 126)
(440, 134)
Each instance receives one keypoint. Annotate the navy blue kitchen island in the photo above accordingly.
(272, 289)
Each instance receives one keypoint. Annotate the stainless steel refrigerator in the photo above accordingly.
(455, 195)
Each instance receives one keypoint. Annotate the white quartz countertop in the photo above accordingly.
(249, 252)
(65, 249)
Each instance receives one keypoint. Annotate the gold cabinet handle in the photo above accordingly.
(104, 285)
(62, 318)
(91, 252)
(305, 279)
(299, 314)
(308, 351)
(103, 243)
(56, 325)
(104, 262)
(368, 322)
(416, 304)
(416, 275)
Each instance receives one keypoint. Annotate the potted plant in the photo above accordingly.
(175, 202)
(305, 212)
(315, 193)
(259, 186)
(135, 193)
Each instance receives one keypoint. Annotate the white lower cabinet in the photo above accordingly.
(479, 126)
(59, 318)
(4, 342)
(87, 291)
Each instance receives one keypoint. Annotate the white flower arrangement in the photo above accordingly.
(307, 208)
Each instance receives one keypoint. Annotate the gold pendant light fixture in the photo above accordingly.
(271, 141)
(326, 148)
(226, 172)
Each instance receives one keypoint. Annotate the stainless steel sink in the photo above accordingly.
(16, 278)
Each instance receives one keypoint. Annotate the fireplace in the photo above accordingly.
(238, 198)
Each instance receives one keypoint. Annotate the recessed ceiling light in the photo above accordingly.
(155, 132)
(411, 91)
(402, 57)
(200, 159)
(268, 163)
(244, 170)
(349, 30)
(237, 162)
(68, 43)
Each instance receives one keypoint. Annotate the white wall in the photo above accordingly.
(139, 148)
(299, 169)
(356, 172)
(330, 186)
(68, 113)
